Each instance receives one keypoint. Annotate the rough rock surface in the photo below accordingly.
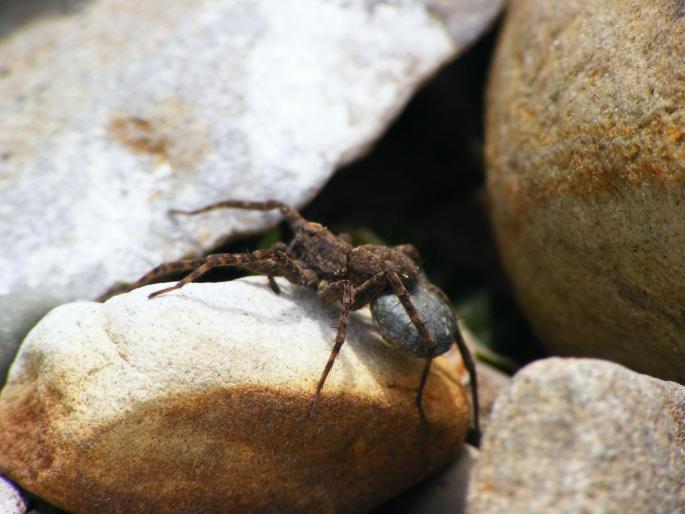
(199, 400)
(582, 435)
(18, 313)
(114, 112)
(586, 168)
(11, 501)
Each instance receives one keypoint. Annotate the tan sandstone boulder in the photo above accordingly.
(198, 401)
(586, 174)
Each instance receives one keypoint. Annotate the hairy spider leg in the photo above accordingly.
(281, 247)
(270, 262)
(292, 216)
(358, 298)
(469, 364)
(361, 296)
(344, 290)
(151, 276)
(401, 293)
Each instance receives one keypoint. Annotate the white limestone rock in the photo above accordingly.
(198, 401)
(114, 112)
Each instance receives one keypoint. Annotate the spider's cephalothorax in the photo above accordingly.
(353, 276)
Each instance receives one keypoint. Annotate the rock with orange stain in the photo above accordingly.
(198, 401)
(586, 176)
(115, 112)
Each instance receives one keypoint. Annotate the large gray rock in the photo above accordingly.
(581, 435)
(114, 112)
(198, 401)
(585, 146)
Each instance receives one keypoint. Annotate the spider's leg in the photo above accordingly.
(345, 290)
(401, 292)
(293, 216)
(263, 261)
(153, 275)
(281, 247)
(469, 363)
(273, 285)
(367, 291)
(422, 385)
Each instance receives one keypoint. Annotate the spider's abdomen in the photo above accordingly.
(398, 331)
(365, 261)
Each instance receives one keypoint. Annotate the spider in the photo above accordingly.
(352, 276)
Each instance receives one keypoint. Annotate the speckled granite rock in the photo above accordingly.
(586, 168)
(114, 112)
(199, 400)
(582, 435)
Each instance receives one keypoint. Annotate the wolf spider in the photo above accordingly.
(353, 276)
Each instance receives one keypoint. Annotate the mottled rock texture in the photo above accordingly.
(116, 111)
(582, 435)
(586, 175)
(198, 401)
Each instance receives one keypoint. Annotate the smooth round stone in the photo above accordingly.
(208, 390)
(585, 147)
(397, 330)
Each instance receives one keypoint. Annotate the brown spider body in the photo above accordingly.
(353, 276)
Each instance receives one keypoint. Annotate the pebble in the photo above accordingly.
(11, 501)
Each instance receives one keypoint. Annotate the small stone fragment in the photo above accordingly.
(11, 501)
(582, 435)
(198, 401)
